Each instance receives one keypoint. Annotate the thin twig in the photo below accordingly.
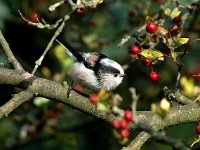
(9, 54)
(178, 75)
(135, 99)
(57, 32)
(137, 143)
(54, 6)
(41, 24)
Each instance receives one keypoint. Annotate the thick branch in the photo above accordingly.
(9, 54)
(14, 102)
(177, 96)
(54, 90)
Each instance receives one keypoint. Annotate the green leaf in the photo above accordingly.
(176, 54)
(175, 13)
(39, 101)
(89, 39)
(167, 12)
(184, 40)
(177, 42)
(102, 107)
(152, 54)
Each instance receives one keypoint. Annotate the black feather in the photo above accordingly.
(74, 52)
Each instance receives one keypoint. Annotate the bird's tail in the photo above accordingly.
(70, 50)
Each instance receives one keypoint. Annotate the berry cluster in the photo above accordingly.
(122, 124)
(151, 28)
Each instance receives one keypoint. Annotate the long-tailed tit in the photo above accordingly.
(94, 70)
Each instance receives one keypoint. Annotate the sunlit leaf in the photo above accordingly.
(90, 39)
(102, 107)
(164, 104)
(104, 95)
(100, 1)
(60, 53)
(152, 54)
(163, 31)
(175, 55)
(46, 72)
(39, 101)
(175, 13)
(188, 85)
(167, 11)
(148, 19)
(184, 40)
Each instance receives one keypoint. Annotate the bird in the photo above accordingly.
(94, 70)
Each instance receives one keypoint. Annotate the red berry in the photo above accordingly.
(123, 124)
(93, 98)
(52, 115)
(124, 133)
(34, 17)
(131, 13)
(128, 115)
(146, 62)
(197, 129)
(78, 88)
(176, 20)
(158, 1)
(80, 11)
(151, 27)
(134, 49)
(115, 123)
(153, 76)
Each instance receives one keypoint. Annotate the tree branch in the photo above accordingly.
(9, 54)
(14, 102)
(177, 96)
(57, 32)
(137, 143)
(56, 91)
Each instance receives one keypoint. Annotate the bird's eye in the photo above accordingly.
(115, 75)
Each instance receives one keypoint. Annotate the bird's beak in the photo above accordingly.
(123, 75)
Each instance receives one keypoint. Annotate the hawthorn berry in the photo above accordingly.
(197, 129)
(124, 133)
(79, 10)
(151, 27)
(115, 123)
(176, 20)
(153, 76)
(123, 124)
(93, 98)
(52, 115)
(146, 62)
(131, 13)
(34, 17)
(158, 1)
(78, 88)
(134, 49)
(128, 115)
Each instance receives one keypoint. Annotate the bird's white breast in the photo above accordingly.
(84, 76)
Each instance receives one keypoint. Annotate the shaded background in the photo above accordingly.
(44, 124)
